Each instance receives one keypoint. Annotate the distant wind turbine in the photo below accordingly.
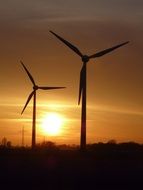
(33, 94)
(82, 84)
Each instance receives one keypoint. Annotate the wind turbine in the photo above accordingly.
(82, 84)
(33, 94)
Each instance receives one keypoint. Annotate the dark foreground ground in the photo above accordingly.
(101, 167)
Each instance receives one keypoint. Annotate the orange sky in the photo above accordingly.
(114, 93)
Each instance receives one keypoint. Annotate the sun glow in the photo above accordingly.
(52, 124)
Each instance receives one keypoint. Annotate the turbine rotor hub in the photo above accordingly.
(35, 87)
(85, 58)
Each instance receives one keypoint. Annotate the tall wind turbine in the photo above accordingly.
(33, 94)
(82, 84)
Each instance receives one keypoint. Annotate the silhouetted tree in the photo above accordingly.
(47, 144)
(112, 141)
(4, 142)
(8, 144)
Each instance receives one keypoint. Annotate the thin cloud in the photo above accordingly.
(61, 10)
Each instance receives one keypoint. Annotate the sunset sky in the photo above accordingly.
(115, 81)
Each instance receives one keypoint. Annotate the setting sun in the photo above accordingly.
(52, 123)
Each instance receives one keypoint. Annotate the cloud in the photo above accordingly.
(62, 10)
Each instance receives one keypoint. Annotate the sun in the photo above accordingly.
(52, 124)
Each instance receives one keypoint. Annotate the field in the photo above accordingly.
(101, 166)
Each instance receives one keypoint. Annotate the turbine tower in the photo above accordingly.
(33, 94)
(82, 83)
(23, 136)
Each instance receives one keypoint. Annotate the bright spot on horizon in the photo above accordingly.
(52, 124)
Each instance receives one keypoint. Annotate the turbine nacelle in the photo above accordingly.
(35, 87)
(85, 58)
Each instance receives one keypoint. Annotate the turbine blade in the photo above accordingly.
(101, 53)
(29, 98)
(49, 88)
(28, 73)
(80, 84)
(75, 49)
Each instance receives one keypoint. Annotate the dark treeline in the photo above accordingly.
(110, 150)
(49, 166)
